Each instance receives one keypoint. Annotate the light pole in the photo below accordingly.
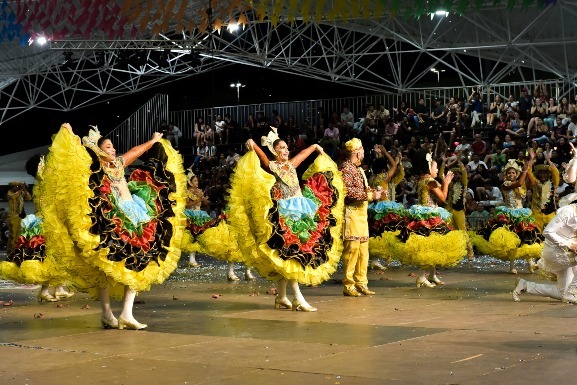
(237, 85)
(438, 72)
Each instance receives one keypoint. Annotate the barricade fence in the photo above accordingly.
(140, 126)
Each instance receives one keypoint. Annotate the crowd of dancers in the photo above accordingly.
(97, 231)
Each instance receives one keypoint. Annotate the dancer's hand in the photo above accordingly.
(156, 136)
(448, 177)
(319, 149)
(250, 144)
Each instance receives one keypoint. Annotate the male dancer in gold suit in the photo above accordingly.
(356, 227)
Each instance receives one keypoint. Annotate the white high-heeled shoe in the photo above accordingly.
(424, 282)
(435, 280)
(124, 324)
(302, 307)
(282, 303)
(59, 294)
(248, 276)
(375, 265)
(232, 278)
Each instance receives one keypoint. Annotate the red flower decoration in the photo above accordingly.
(391, 217)
(322, 191)
(36, 241)
(140, 175)
(143, 241)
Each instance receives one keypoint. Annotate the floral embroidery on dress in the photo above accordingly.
(546, 194)
(457, 189)
(287, 179)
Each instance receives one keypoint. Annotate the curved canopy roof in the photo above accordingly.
(114, 48)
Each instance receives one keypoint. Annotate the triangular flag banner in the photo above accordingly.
(130, 18)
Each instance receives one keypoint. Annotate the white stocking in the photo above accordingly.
(192, 258)
(231, 268)
(44, 290)
(127, 304)
(105, 305)
(422, 277)
(282, 284)
(297, 292)
(59, 290)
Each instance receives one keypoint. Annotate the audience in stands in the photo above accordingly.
(483, 130)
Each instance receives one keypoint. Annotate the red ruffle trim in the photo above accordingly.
(322, 191)
(431, 223)
(34, 242)
(149, 229)
(196, 230)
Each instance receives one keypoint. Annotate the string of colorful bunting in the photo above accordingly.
(129, 18)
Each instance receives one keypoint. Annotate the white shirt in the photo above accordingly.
(232, 159)
(495, 192)
(572, 128)
(219, 125)
(176, 132)
(473, 166)
(463, 147)
(348, 118)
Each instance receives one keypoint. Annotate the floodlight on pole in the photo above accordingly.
(237, 85)
(438, 72)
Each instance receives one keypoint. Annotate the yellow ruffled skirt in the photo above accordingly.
(218, 242)
(31, 265)
(40, 272)
(79, 239)
(441, 250)
(381, 246)
(250, 204)
(505, 245)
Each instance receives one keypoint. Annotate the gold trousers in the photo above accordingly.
(458, 221)
(542, 220)
(355, 263)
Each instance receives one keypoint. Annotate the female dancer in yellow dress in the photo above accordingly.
(455, 202)
(385, 215)
(115, 237)
(511, 234)
(26, 262)
(208, 235)
(290, 235)
(426, 240)
(543, 180)
(16, 197)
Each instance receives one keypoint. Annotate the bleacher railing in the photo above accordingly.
(147, 119)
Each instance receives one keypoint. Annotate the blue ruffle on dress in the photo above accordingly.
(297, 208)
(196, 216)
(134, 209)
(385, 206)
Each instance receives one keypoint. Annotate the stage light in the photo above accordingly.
(67, 57)
(68, 61)
(163, 59)
(100, 59)
(237, 85)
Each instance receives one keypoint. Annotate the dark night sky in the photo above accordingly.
(36, 127)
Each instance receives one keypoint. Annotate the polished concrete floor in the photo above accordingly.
(205, 330)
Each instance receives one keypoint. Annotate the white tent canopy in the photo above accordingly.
(13, 166)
